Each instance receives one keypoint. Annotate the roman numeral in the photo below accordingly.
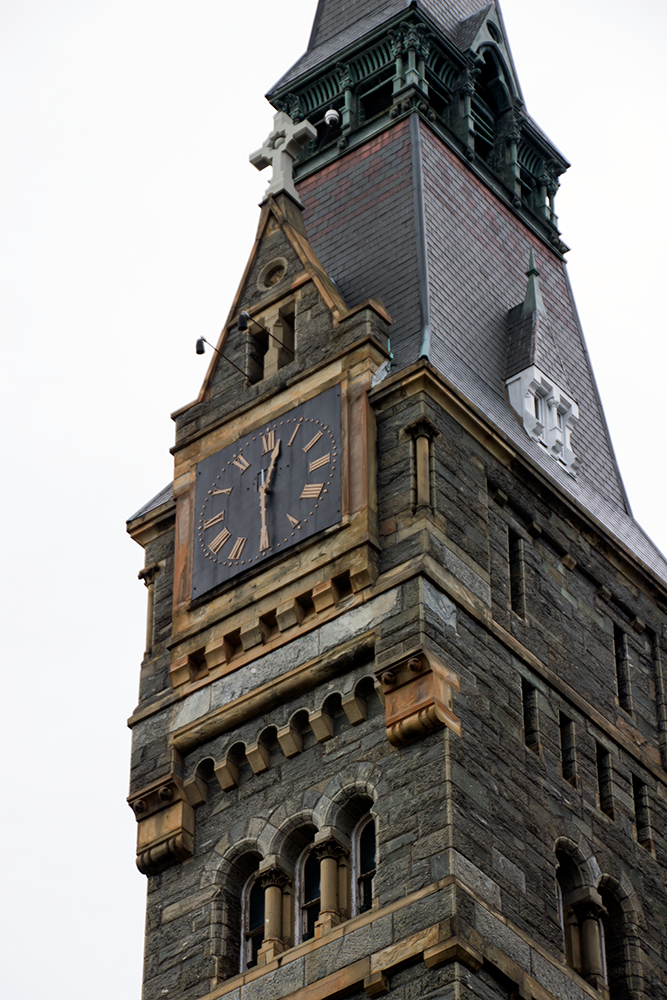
(268, 442)
(293, 521)
(218, 519)
(320, 462)
(264, 539)
(219, 541)
(238, 548)
(216, 492)
(314, 441)
(296, 431)
(311, 490)
(241, 463)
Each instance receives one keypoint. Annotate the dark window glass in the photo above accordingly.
(366, 866)
(255, 930)
(311, 895)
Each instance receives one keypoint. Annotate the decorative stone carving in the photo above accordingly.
(166, 819)
(280, 150)
(417, 693)
(548, 414)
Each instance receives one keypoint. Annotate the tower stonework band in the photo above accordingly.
(402, 725)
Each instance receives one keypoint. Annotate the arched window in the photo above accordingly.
(491, 100)
(309, 900)
(253, 922)
(581, 913)
(364, 864)
(616, 948)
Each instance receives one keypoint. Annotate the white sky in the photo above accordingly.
(128, 211)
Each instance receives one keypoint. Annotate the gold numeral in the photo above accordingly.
(219, 541)
(320, 462)
(311, 490)
(241, 463)
(296, 431)
(238, 548)
(216, 492)
(314, 441)
(218, 519)
(264, 539)
(293, 521)
(268, 442)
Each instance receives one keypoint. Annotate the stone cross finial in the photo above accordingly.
(280, 150)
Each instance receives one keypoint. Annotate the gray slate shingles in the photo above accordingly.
(340, 23)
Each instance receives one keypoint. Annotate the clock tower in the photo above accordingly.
(402, 724)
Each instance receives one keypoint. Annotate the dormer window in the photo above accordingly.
(549, 415)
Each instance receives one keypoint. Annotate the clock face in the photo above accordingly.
(269, 490)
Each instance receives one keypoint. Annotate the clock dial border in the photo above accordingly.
(306, 509)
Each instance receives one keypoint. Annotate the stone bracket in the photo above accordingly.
(166, 824)
(417, 691)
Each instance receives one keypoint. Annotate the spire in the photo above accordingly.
(533, 301)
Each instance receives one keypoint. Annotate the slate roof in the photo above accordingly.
(363, 218)
(164, 496)
(339, 23)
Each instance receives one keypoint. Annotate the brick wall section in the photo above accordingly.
(478, 256)
(359, 216)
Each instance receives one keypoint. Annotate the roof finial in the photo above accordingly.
(280, 150)
(533, 301)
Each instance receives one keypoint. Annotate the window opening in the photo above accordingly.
(254, 924)
(366, 867)
(310, 907)
(567, 749)
(605, 780)
(642, 816)
(622, 668)
(530, 716)
(517, 574)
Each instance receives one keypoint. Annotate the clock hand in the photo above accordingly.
(263, 490)
(269, 475)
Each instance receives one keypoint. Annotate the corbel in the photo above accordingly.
(218, 652)
(166, 824)
(354, 708)
(422, 431)
(322, 725)
(376, 985)
(325, 595)
(257, 756)
(364, 568)
(185, 668)
(417, 691)
(289, 614)
(290, 740)
(254, 633)
(227, 773)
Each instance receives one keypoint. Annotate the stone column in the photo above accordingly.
(422, 431)
(329, 850)
(148, 575)
(591, 945)
(273, 879)
(277, 355)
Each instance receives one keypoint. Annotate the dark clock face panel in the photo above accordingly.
(268, 491)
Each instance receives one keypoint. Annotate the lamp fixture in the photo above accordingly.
(200, 349)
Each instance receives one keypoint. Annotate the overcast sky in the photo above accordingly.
(128, 211)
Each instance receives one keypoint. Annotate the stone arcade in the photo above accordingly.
(402, 725)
